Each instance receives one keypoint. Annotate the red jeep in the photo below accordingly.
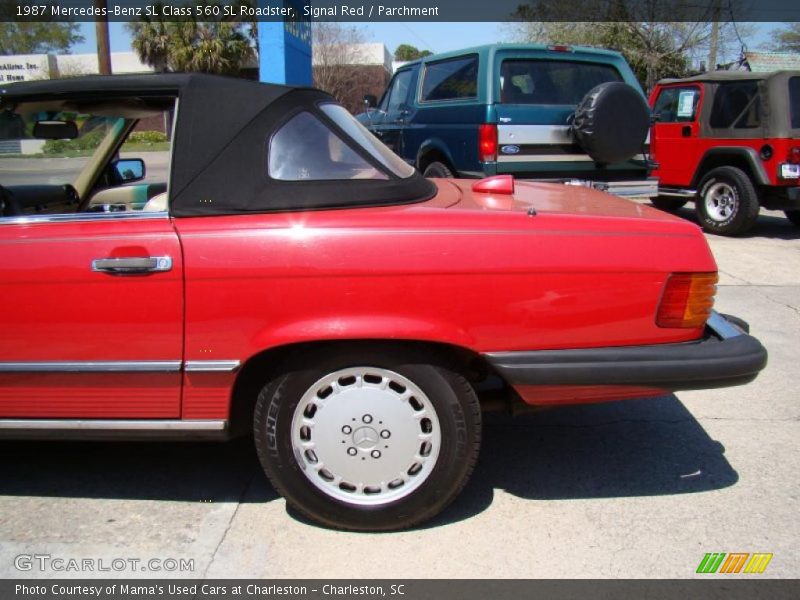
(729, 140)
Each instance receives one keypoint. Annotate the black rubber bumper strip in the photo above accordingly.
(708, 363)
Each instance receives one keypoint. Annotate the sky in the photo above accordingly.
(436, 37)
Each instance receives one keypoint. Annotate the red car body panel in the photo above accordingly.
(482, 275)
(471, 270)
(550, 395)
(64, 311)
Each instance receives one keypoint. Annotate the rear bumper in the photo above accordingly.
(634, 190)
(639, 189)
(725, 356)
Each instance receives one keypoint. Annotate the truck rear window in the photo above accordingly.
(551, 81)
(794, 101)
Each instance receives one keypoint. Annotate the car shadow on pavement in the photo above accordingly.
(172, 471)
(618, 449)
(771, 225)
(648, 447)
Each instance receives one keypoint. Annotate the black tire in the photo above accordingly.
(455, 411)
(793, 216)
(438, 169)
(667, 203)
(727, 202)
(611, 122)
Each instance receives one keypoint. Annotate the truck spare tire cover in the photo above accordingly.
(611, 122)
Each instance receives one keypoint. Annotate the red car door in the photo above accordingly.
(91, 309)
(675, 133)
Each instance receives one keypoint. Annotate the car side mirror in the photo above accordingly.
(127, 170)
(370, 101)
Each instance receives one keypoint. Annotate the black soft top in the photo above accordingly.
(221, 140)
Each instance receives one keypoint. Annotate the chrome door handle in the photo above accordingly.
(148, 264)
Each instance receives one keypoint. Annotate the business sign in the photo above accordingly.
(285, 46)
(26, 67)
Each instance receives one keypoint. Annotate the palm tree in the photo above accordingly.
(151, 41)
(214, 47)
(189, 45)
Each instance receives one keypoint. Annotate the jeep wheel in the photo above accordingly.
(727, 203)
(370, 441)
(438, 169)
(793, 216)
(667, 203)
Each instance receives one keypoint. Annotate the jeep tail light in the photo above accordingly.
(687, 300)
(791, 168)
(487, 142)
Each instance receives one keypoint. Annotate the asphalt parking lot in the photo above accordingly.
(625, 489)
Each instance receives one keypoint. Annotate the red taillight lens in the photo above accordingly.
(687, 300)
(794, 156)
(487, 142)
(560, 48)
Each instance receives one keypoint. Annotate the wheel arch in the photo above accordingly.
(433, 150)
(263, 366)
(745, 159)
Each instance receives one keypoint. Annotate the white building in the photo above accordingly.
(28, 67)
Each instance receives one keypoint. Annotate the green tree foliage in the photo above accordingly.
(653, 50)
(38, 38)
(216, 47)
(787, 39)
(659, 39)
(409, 52)
(220, 47)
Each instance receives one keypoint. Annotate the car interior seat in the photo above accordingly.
(157, 203)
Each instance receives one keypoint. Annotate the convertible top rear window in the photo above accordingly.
(304, 148)
(369, 142)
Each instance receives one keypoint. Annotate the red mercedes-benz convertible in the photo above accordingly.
(190, 257)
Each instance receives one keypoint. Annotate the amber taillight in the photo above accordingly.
(687, 300)
(487, 142)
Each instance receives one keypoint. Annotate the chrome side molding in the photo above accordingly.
(200, 366)
(121, 366)
(115, 429)
(117, 366)
(111, 425)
